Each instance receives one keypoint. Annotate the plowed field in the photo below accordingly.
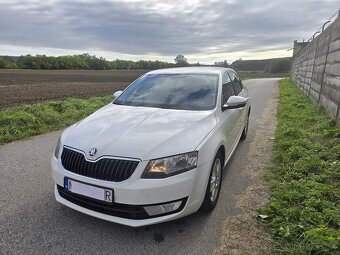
(19, 87)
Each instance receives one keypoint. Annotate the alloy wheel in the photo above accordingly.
(215, 180)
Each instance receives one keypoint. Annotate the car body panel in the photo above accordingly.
(119, 130)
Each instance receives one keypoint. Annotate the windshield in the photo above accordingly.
(172, 91)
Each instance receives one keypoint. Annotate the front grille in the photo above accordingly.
(107, 169)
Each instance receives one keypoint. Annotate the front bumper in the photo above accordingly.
(132, 195)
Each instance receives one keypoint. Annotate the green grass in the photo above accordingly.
(304, 213)
(25, 121)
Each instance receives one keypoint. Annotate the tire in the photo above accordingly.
(215, 178)
(245, 129)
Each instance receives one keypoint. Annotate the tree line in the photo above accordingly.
(89, 62)
(85, 61)
(273, 65)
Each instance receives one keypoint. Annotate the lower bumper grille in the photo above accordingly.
(136, 212)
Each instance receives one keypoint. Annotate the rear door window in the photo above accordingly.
(227, 88)
(236, 83)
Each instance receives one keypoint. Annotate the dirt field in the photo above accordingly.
(19, 87)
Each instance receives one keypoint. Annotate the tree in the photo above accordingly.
(180, 60)
(83, 61)
(222, 63)
(279, 66)
(7, 63)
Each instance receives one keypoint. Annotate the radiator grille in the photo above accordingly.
(107, 169)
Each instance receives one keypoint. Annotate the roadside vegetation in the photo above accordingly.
(272, 65)
(89, 62)
(245, 75)
(28, 120)
(304, 213)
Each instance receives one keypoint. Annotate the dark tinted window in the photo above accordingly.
(227, 88)
(173, 91)
(236, 82)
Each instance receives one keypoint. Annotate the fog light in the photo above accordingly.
(163, 209)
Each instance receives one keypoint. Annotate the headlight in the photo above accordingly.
(164, 167)
(57, 149)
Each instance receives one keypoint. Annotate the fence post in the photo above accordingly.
(324, 68)
(337, 115)
(306, 60)
(311, 78)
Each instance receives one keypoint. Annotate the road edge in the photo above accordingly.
(242, 233)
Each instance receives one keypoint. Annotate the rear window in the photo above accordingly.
(236, 83)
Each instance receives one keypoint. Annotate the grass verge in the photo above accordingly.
(304, 213)
(25, 121)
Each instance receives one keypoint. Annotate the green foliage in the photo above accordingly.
(85, 61)
(223, 63)
(7, 63)
(180, 60)
(260, 74)
(258, 65)
(304, 213)
(279, 66)
(28, 120)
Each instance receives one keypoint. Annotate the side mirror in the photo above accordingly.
(117, 93)
(235, 102)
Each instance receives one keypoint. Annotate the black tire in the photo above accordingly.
(245, 129)
(210, 200)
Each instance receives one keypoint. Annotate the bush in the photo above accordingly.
(279, 66)
(7, 63)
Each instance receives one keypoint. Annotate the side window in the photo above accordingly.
(236, 82)
(227, 88)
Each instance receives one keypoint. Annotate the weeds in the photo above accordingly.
(304, 213)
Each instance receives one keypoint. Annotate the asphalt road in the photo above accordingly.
(31, 222)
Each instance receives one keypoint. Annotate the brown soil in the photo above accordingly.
(19, 87)
(242, 233)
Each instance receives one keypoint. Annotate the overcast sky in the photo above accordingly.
(204, 31)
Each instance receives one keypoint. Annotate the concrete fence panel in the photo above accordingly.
(316, 68)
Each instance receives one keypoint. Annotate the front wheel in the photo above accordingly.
(214, 184)
(245, 129)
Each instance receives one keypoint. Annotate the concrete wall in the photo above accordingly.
(316, 69)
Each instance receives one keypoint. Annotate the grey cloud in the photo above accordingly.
(139, 28)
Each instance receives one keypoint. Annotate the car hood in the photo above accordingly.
(139, 132)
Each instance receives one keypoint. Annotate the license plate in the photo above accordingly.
(88, 190)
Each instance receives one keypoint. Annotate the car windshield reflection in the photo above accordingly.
(172, 91)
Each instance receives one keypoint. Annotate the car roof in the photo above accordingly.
(191, 70)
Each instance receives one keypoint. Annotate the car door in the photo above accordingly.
(239, 91)
(229, 117)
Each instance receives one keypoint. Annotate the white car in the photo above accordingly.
(157, 152)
